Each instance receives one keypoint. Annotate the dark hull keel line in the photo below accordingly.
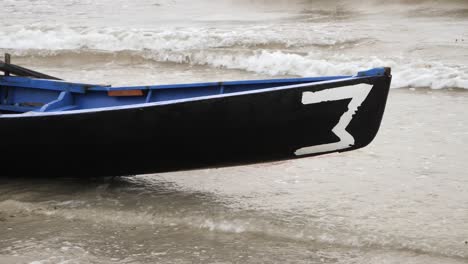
(58, 128)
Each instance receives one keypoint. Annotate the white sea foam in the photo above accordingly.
(288, 48)
(416, 73)
(59, 37)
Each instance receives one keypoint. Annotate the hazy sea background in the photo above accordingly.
(402, 199)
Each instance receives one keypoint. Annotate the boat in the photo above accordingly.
(53, 127)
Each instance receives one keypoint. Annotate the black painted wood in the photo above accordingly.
(21, 71)
(214, 132)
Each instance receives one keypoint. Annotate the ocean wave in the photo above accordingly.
(285, 49)
(57, 37)
(406, 74)
(461, 13)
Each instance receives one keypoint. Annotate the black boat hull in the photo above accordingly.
(212, 132)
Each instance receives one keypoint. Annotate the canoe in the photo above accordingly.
(57, 128)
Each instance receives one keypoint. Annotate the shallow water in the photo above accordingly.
(402, 199)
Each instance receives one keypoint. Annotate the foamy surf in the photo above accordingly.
(267, 48)
(415, 73)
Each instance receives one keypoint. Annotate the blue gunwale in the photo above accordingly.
(174, 101)
(216, 84)
(24, 94)
(58, 85)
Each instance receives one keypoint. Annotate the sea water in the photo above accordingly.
(402, 199)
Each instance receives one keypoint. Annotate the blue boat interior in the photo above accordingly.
(24, 94)
(20, 94)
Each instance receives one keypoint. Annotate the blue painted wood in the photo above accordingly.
(19, 97)
(101, 99)
(216, 85)
(148, 96)
(221, 89)
(21, 94)
(372, 72)
(64, 101)
(17, 108)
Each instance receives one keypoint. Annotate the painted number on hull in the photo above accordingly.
(357, 93)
